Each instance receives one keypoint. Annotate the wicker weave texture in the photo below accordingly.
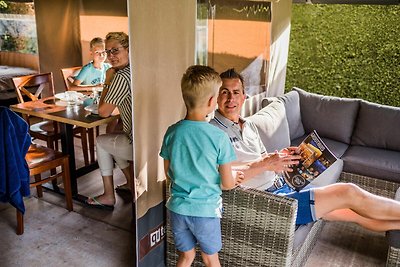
(393, 258)
(376, 186)
(258, 227)
(257, 230)
(302, 253)
(382, 188)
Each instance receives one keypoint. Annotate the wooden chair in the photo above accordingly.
(67, 74)
(34, 87)
(41, 159)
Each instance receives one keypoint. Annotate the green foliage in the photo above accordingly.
(3, 5)
(346, 51)
(16, 8)
(18, 34)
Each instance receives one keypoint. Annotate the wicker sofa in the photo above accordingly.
(258, 228)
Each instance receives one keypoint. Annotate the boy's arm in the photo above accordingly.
(166, 167)
(227, 179)
(76, 82)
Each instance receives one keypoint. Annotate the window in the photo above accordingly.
(18, 27)
(235, 34)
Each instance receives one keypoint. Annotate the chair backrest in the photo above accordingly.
(42, 84)
(68, 76)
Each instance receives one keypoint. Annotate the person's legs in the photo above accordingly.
(125, 153)
(184, 239)
(186, 258)
(127, 173)
(210, 260)
(208, 234)
(349, 196)
(347, 215)
(110, 147)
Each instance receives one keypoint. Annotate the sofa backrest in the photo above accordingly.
(332, 117)
(377, 126)
(272, 126)
(292, 109)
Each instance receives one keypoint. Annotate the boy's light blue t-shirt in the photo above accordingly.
(89, 75)
(195, 149)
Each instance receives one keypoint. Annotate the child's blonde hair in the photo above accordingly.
(96, 41)
(198, 84)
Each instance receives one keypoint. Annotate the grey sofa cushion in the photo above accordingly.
(332, 117)
(373, 162)
(377, 126)
(292, 108)
(272, 126)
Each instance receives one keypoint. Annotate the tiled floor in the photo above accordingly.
(91, 237)
(55, 237)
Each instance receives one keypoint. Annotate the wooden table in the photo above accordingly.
(67, 116)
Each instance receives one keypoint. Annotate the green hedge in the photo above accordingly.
(346, 51)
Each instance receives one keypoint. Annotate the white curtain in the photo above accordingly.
(162, 36)
(280, 36)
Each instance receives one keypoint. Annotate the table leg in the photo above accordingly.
(67, 146)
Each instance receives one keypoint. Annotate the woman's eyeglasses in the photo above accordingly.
(112, 51)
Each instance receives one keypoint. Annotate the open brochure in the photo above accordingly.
(315, 159)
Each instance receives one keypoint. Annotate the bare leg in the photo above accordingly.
(108, 197)
(210, 260)
(128, 176)
(186, 258)
(347, 215)
(349, 196)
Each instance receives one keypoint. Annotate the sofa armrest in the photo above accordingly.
(257, 230)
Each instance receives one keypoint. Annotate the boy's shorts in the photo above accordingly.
(189, 230)
(305, 205)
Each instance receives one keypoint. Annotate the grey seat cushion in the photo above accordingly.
(272, 126)
(332, 117)
(377, 126)
(373, 162)
(292, 108)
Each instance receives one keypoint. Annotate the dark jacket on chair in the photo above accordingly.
(14, 171)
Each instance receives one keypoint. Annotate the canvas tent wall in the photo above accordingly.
(163, 46)
(162, 43)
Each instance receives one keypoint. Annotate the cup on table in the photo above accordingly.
(71, 97)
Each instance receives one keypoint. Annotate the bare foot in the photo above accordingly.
(102, 199)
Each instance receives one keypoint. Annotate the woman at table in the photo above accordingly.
(116, 94)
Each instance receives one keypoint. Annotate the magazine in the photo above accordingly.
(315, 159)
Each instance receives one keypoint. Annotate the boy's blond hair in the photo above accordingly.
(96, 41)
(198, 84)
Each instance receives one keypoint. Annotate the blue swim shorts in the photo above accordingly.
(189, 230)
(305, 206)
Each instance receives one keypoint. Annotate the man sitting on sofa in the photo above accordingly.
(335, 202)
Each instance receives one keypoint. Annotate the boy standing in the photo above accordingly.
(94, 72)
(197, 159)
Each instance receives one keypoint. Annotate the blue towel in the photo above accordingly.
(14, 171)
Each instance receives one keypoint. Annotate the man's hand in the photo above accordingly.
(239, 177)
(279, 161)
